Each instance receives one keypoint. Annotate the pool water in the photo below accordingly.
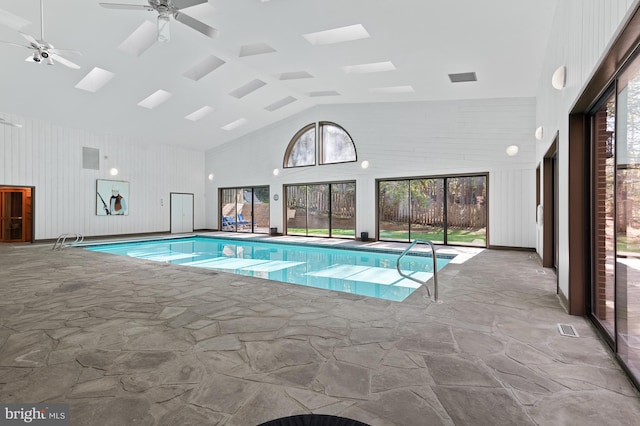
(362, 272)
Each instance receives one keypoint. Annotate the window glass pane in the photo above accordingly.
(260, 217)
(296, 209)
(466, 211)
(393, 198)
(303, 151)
(337, 146)
(427, 210)
(343, 209)
(245, 210)
(627, 220)
(228, 216)
(602, 304)
(318, 210)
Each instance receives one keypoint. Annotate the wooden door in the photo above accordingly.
(15, 214)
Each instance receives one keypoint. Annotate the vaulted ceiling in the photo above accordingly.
(263, 65)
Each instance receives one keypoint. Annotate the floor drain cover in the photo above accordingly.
(567, 330)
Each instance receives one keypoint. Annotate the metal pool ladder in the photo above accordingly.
(435, 269)
(60, 243)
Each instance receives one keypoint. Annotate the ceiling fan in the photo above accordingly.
(44, 51)
(9, 123)
(165, 9)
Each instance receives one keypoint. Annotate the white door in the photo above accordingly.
(181, 213)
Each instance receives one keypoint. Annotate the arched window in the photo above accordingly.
(302, 148)
(334, 146)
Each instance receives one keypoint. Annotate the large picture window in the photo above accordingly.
(445, 210)
(321, 209)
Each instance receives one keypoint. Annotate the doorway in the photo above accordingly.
(550, 208)
(181, 213)
(16, 214)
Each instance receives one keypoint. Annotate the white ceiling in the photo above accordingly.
(503, 41)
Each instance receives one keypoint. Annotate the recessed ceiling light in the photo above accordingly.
(324, 93)
(282, 102)
(369, 68)
(295, 75)
(155, 99)
(243, 91)
(235, 124)
(140, 40)
(95, 80)
(393, 89)
(197, 115)
(255, 49)
(204, 67)
(337, 35)
(463, 77)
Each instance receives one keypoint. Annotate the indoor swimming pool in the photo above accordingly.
(356, 271)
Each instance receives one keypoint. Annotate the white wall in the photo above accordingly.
(400, 140)
(581, 34)
(49, 157)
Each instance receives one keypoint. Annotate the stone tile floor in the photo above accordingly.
(126, 341)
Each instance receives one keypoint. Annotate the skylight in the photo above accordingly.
(95, 80)
(243, 91)
(369, 68)
(235, 124)
(337, 35)
(140, 40)
(204, 67)
(324, 93)
(12, 21)
(463, 77)
(202, 112)
(155, 99)
(392, 89)
(255, 49)
(295, 75)
(281, 103)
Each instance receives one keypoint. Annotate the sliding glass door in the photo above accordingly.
(615, 197)
(445, 210)
(245, 209)
(321, 210)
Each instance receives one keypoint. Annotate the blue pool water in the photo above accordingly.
(367, 273)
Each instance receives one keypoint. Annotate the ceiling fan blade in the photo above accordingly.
(183, 4)
(30, 39)
(65, 51)
(64, 61)
(196, 25)
(126, 6)
(15, 44)
(8, 123)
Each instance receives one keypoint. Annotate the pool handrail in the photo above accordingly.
(435, 269)
(60, 242)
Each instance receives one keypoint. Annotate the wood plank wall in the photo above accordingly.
(49, 157)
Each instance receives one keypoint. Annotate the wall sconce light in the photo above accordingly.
(113, 171)
(512, 150)
(276, 172)
(364, 164)
(559, 78)
(211, 176)
(539, 133)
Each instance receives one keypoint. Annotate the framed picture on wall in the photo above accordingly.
(112, 197)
